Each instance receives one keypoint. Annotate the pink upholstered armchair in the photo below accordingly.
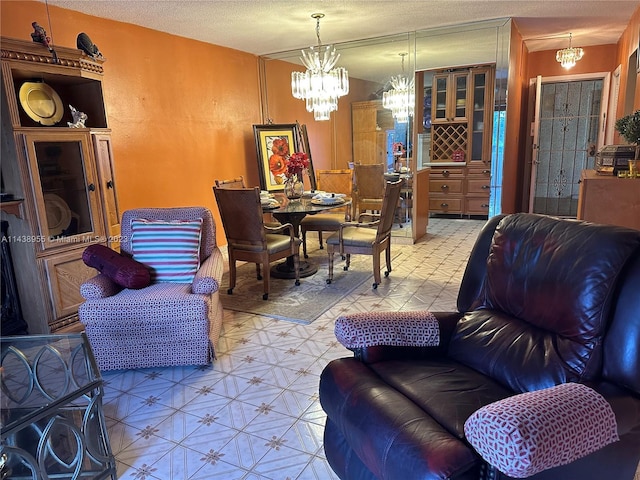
(177, 318)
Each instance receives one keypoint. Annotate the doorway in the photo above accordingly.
(567, 134)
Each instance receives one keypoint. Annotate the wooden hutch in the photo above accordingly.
(60, 177)
(461, 109)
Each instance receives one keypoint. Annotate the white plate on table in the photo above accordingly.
(272, 204)
(327, 201)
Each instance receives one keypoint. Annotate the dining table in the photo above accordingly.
(293, 211)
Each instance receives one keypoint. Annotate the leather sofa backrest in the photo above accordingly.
(545, 303)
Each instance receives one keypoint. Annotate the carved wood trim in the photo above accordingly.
(23, 51)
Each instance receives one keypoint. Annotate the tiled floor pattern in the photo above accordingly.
(255, 413)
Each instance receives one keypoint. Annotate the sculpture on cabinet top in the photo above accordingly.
(78, 118)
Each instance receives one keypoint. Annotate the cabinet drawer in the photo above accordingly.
(478, 186)
(445, 205)
(444, 172)
(479, 170)
(476, 206)
(445, 186)
(65, 273)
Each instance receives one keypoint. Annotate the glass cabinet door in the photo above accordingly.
(440, 97)
(477, 120)
(64, 184)
(460, 99)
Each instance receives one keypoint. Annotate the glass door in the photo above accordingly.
(479, 84)
(64, 188)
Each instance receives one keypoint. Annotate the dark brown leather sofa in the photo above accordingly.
(543, 302)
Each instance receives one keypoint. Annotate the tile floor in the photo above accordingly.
(255, 413)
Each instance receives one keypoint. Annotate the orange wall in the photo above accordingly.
(513, 165)
(524, 66)
(599, 58)
(181, 111)
(627, 44)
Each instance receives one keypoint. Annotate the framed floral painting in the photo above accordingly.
(275, 143)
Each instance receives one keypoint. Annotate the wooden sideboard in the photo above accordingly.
(610, 200)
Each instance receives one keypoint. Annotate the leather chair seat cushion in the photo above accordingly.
(323, 221)
(403, 416)
(275, 243)
(535, 431)
(124, 271)
(354, 237)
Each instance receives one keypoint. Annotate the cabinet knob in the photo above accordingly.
(444, 187)
(110, 184)
(484, 187)
(446, 173)
(485, 205)
(444, 205)
(92, 187)
(486, 172)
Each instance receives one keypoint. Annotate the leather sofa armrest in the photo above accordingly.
(379, 336)
(100, 286)
(207, 278)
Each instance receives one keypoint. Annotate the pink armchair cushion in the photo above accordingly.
(399, 329)
(124, 271)
(206, 280)
(171, 249)
(99, 286)
(534, 431)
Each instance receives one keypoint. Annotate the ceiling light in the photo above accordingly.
(569, 56)
(322, 84)
(401, 97)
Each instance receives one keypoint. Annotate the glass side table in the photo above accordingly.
(51, 420)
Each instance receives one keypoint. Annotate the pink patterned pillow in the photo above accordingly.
(395, 329)
(531, 432)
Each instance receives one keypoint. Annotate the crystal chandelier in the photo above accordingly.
(569, 56)
(322, 84)
(400, 98)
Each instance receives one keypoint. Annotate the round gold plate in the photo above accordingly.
(41, 103)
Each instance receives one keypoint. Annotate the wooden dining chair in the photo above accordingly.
(334, 181)
(249, 239)
(368, 187)
(367, 238)
(237, 182)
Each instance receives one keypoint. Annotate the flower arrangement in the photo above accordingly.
(296, 164)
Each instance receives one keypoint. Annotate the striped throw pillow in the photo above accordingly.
(170, 249)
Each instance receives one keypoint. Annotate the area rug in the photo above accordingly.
(303, 303)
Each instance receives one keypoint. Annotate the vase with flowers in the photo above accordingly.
(297, 163)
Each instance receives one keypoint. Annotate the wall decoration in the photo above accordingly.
(274, 144)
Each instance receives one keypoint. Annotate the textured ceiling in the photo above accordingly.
(269, 26)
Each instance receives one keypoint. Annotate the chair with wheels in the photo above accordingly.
(249, 239)
(367, 238)
(334, 181)
(368, 187)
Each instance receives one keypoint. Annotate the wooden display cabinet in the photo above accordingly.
(64, 174)
(369, 124)
(462, 114)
